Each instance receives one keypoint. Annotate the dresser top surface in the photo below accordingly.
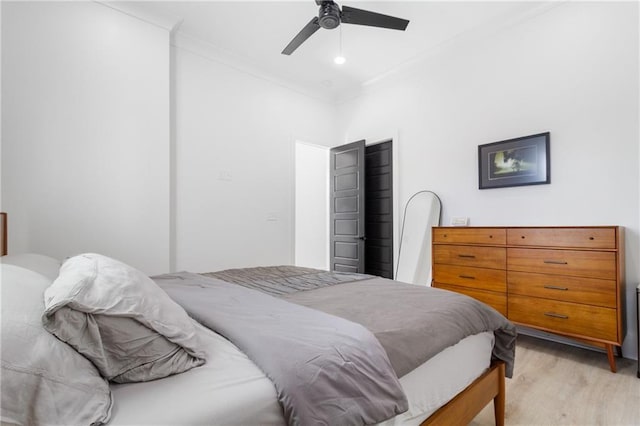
(529, 227)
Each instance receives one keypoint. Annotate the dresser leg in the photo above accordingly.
(612, 358)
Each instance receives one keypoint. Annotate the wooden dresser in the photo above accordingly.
(563, 280)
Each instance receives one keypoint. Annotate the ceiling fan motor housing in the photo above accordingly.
(329, 16)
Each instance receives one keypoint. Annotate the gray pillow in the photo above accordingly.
(121, 320)
(44, 381)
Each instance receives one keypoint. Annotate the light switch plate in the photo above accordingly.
(225, 175)
(459, 221)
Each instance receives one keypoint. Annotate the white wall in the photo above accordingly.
(91, 160)
(85, 132)
(573, 71)
(235, 163)
(311, 206)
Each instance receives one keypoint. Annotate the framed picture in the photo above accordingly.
(514, 162)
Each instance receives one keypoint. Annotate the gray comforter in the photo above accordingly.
(342, 373)
(326, 370)
(413, 323)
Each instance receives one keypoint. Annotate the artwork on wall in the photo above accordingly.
(514, 162)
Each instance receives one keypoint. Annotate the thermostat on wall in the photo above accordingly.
(459, 221)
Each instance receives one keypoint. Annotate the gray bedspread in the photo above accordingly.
(326, 370)
(283, 280)
(413, 323)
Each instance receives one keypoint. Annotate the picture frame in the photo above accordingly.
(515, 162)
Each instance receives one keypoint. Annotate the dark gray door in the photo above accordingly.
(379, 210)
(347, 207)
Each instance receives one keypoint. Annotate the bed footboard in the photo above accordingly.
(468, 403)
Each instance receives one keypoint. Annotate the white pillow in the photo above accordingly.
(45, 265)
(44, 381)
(121, 320)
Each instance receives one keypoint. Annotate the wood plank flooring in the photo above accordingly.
(556, 384)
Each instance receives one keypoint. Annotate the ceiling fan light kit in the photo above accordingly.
(330, 16)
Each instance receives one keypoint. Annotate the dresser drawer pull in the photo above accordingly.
(467, 256)
(469, 277)
(556, 262)
(555, 287)
(554, 315)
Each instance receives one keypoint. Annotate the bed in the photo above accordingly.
(451, 387)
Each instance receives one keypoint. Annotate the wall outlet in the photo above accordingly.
(459, 221)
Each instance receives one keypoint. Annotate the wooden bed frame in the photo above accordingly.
(468, 403)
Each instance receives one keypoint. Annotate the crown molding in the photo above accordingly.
(213, 53)
(403, 71)
(209, 51)
(167, 22)
(414, 66)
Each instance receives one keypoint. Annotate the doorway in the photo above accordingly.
(362, 208)
(311, 211)
(378, 212)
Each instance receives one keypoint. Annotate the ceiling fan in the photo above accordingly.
(330, 16)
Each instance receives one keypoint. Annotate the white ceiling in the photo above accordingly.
(255, 32)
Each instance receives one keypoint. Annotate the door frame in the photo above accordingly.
(373, 139)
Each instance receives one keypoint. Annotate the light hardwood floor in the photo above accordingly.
(556, 384)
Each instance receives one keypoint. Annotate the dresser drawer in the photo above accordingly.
(593, 264)
(478, 257)
(564, 317)
(489, 236)
(595, 238)
(467, 276)
(497, 301)
(560, 287)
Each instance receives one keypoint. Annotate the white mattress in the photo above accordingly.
(231, 390)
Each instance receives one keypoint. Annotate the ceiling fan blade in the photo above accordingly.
(351, 15)
(304, 34)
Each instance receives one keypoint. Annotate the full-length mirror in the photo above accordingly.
(421, 212)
